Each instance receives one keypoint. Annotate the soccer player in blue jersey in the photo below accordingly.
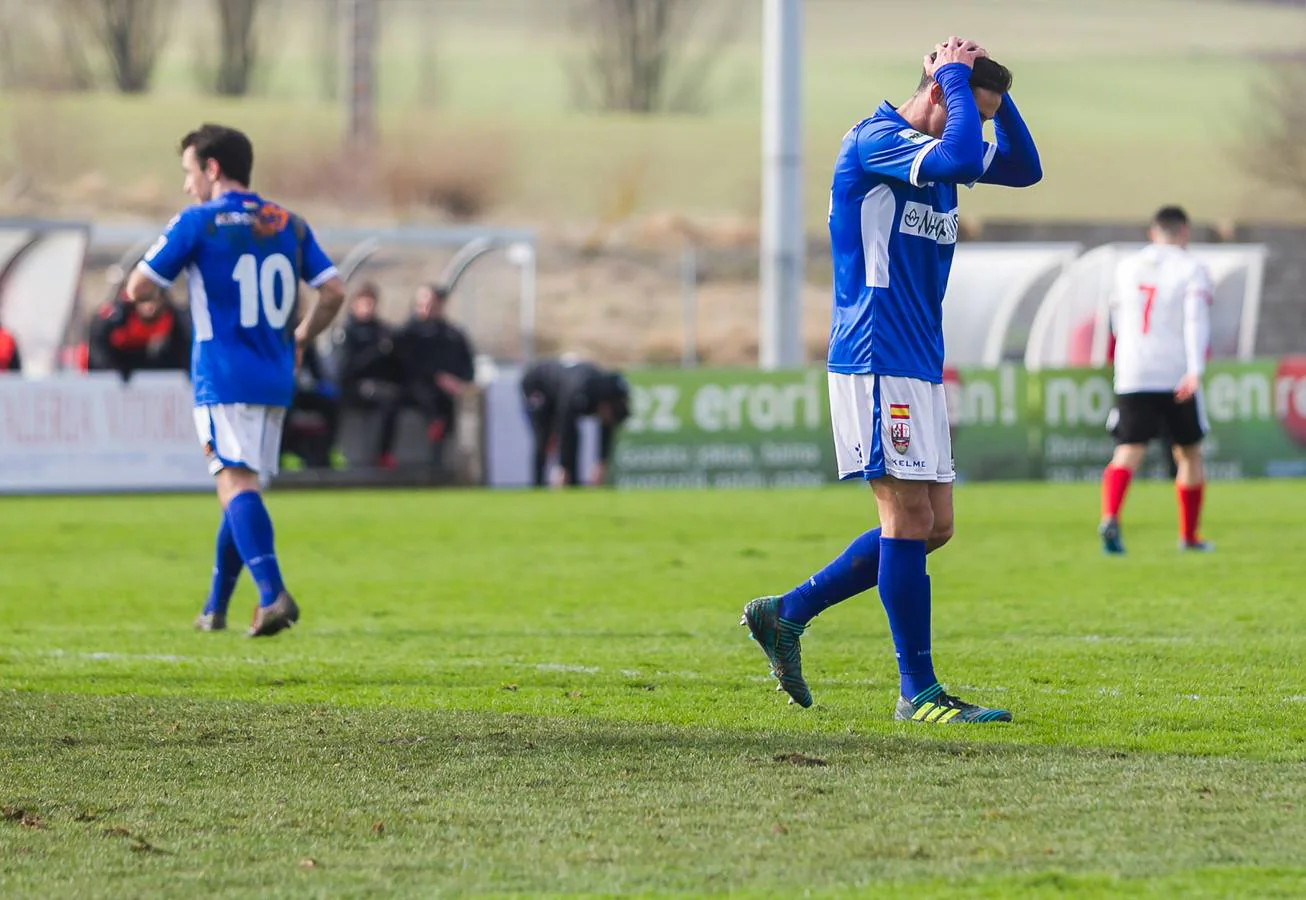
(244, 258)
(893, 229)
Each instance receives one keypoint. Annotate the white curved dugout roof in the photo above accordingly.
(1072, 327)
(40, 277)
(989, 285)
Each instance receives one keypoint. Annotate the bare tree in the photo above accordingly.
(238, 42)
(132, 33)
(43, 48)
(644, 56)
(1277, 156)
(328, 48)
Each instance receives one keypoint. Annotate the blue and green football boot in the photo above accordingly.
(934, 707)
(779, 640)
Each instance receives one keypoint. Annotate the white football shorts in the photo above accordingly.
(887, 425)
(241, 435)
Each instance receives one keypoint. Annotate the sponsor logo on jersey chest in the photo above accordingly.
(919, 219)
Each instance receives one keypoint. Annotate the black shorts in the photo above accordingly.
(1143, 417)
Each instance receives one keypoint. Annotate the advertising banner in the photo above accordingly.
(725, 428)
(94, 433)
(742, 428)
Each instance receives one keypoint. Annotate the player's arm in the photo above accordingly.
(321, 275)
(607, 439)
(1015, 162)
(1197, 333)
(910, 156)
(163, 262)
(958, 157)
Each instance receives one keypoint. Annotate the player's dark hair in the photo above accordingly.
(1171, 219)
(986, 73)
(230, 148)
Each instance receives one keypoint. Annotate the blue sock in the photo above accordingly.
(226, 570)
(853, 571)
(252, 527)
(905, 593)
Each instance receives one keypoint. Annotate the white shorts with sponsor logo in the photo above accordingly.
(886, 425)
(241, 435)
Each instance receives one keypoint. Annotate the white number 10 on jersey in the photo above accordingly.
(260, 287)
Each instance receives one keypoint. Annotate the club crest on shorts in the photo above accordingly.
(900, 426)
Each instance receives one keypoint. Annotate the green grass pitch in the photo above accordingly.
(548, 694)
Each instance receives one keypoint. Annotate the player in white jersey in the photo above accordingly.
(1160, 317)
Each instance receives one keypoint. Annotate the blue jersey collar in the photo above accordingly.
(887, 111)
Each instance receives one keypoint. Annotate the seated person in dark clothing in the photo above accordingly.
(10, 361)
(314, 415)
(128, 337)
(438, 368)
(369, 371)
(557, 396)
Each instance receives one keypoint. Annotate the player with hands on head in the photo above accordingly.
(893, 231)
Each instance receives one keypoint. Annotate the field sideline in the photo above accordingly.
(520, 693)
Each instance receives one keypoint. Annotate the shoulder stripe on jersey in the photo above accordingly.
(326, 275)
(990, 151)
(878, 209)
(916, 163)
(154, 276)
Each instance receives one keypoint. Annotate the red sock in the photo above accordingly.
(1190, 510)
(1115, 481)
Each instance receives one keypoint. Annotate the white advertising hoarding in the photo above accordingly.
(94, 433)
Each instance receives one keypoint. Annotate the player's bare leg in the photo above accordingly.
(1115, 484)
(915, 515)
(1190, 484)
(239, 492)
(941, 530)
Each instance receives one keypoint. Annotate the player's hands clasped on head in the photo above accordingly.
(953, 50)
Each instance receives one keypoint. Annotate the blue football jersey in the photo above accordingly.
(892, 238)
(244, 258)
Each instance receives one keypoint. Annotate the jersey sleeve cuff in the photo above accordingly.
(990, 151)
(324, 276)
(915, 175)
(144, 268)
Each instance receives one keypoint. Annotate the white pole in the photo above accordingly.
(523, 255)
(780, 325)
(1250, 320)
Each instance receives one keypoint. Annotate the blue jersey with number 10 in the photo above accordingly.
(243, 258)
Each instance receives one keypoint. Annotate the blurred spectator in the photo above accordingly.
(558, 395)
(10, 361)
(127, 337)
(369, 372)
(313, 419)
(436, 360)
